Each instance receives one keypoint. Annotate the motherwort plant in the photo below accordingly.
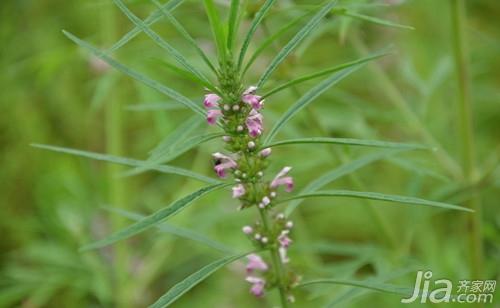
(238, 109)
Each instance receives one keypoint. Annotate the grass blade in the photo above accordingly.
(178, 26)
(308, 98)
(138, 76)
(253, 27)
(153, 219)
(322, 73)
(129, 162)
(378, 196)
(350, 141)
(376, 286)
(232, 24)
(150, 20)
(178, 231)
(217, 29)
(162, 43)
(374, 20)
(339, 172)
(268, 41)
(191, 281)
(294, 42)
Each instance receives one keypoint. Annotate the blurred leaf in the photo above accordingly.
(162, 43)
(378, 196)
(259, 16)
(176, 137)
(128, 162)
(308, 28)
(155, 106)
(138, 76)
(153, 219)
(374, 20)
(322, 73)
(349, 141)
(269, 40)
(181, 232)
(150, 20)
(377, 286)
(232, 24)
(190, 282)
(217, 29)
(308, 98)
(178, 26)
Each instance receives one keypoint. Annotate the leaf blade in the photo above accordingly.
(138, 76)
(217, 30)
(153, 219)
(191, 281)
(380, 197)
(376, 286)
(349, 141)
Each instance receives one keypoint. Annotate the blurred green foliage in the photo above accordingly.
(51, 204)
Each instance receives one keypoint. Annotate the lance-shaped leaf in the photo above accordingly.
(178, 231)
(153, 219)
(150, 20)
(294, 42)
(138, 76)
(191, 281)
(372, 19)
(378, 196)
(322, 73)
(128, 162)
(178, 26)
(232, 23)
(349, 141)
(308, 98)
(162, 43)
(217, 29)
(339, 172)
(259, 16)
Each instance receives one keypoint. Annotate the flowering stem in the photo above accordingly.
(275, 259)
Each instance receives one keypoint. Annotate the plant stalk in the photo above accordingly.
(466, 130)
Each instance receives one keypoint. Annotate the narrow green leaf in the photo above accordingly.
(138, 76)
(378, 196)
(322, 73)
(294, 42)
(191, 281)
(176, 137)
(162, 43)
(186, 74)
(308, 98)
(128, 162)
(375, 20)
(217, 29)
(154, 106)
(377, 286)
(339, 172)
(178, 231)
(153, 219)
(232, 24)
(269, 40)
(178, 26)
(350, 141)
(253, 27)
(150, 20)
(172, 153)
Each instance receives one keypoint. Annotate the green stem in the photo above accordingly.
(276, 260)
(466, 131)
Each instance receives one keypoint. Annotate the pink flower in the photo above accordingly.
(258, 285)
(238, 191)
(254, 123)
(253, 100)
(255, 262)
(283, 239)
(213, 115)
(282, 179)
(223, 163)
(211, 100)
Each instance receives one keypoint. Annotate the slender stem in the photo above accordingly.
(466, 130)
(276, 260)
